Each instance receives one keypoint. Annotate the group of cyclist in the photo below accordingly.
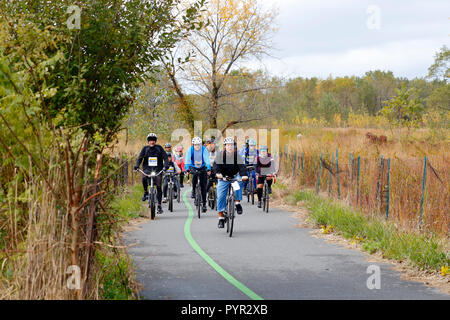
(207, 164)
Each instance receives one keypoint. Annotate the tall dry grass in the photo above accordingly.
(406, 151)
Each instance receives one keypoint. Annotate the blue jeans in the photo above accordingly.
(222, 192)
(254, 180)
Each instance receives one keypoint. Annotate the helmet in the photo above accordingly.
(251, 142)
(197, 140)
(167, 145)
(228, 140)
(263, 148)
(178, 148)
(152, 136)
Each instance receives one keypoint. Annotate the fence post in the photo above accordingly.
(380, 170)
(320, 171)
(357, 181)
(337, 174)
(423, 192)
(388, 176)
(301, 176)
(331, 175)
(295, 162)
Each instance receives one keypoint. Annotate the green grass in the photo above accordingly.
(423, 251)
(115, 265)
(128, 204)
(116, 283)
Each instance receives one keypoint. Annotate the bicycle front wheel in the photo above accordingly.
(170, 198)
(152, 204)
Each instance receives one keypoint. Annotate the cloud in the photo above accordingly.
(409, 58)
(319, 37)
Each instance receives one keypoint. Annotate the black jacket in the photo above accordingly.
(156, 151)
(229, 165)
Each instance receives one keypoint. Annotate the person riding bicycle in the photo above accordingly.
(265, 169)
(178, 158)
(198, 164)
(211, 147)
(168, 147)
(154, 159)
(249, 155)
(228, 164)
(175, 169)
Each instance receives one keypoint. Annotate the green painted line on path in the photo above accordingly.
(187, 233)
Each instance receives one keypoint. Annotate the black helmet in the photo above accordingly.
(152, 136)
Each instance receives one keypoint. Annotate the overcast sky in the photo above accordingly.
(350, 37)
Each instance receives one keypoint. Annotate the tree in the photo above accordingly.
(232, 32)
(406, 108)
(440, 69)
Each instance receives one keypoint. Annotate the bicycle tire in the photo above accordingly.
(170, 198)
(231, 213)
(264, 196)
(267, 198)
(198, 196)
(252, 191)
(152, 205)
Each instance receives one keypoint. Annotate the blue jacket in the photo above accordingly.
(189, 159)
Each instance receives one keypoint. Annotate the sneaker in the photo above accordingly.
(181, 186)
(238, 208)
(221, 224)
(145, 197)
(164, 200)
(204, 209)
(259, 203)
(193, 194)
(160, 209)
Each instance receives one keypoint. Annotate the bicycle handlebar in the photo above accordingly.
(150, 175)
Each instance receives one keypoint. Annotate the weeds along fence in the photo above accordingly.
(413, 193)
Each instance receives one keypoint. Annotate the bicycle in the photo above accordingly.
(229, 213)
(211, 195)
(250, 185)
(171, 188)
(152, 193)
(266, 195)
(198, 193)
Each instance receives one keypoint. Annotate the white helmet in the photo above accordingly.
(228, 140)
(152, 135)
(197, 140)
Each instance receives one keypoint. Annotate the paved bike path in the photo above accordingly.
(182, 257)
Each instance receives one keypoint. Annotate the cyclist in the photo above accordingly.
(178, 158)
(229, 164)
(198, 164)
(265, 169)
(211, 147)
(155, 159)
(250, 154)
(168, 147)
(173, 167)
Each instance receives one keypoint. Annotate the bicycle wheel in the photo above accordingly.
(152, 204)
(264, 196)
(252, 188)
(170, 198)
(198, 197)
(178, 194)
(231, 213)
(267, 198)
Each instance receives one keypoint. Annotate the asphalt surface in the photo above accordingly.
(268, 257)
